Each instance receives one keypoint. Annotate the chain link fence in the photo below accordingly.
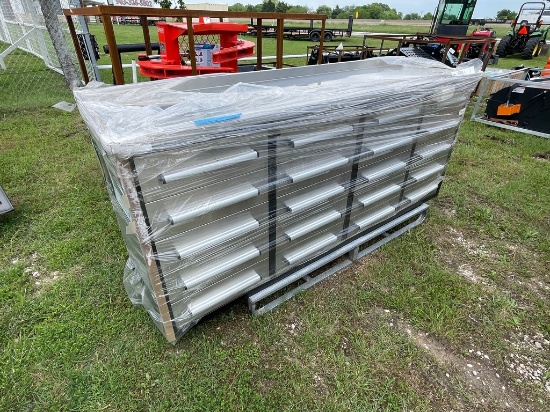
(31, 74)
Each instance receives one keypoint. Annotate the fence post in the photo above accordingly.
(59, 43)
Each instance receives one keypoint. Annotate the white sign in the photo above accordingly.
(204, 54)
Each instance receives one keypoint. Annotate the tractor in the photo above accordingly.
(527, 35)
(452, 17)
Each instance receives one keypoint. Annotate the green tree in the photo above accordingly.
(506, 14)
(412, 16)
(237, 7)
(378, 11)
(392, 14)
(428, 16)
(335, 12)
(298, 9)
(165, 4)
(381, 10)
(268, 6)
(373, 11)
(281, 7)
(324, 10)
(346, 12)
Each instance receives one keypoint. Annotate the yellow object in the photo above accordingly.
(508, 110)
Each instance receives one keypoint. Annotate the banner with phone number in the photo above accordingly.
(138, 3)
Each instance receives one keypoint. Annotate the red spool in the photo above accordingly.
(211, 57)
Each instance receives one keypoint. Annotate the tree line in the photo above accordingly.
(379, 11)
(375, 11)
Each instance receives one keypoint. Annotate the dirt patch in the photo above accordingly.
(527, 360)
(452, 246)
(40, 277)
(483, 264)
(466, 271)
(542, 156)
(445, 205)
(465, 256)
(6, 147)
(499, 139)
(483, 384)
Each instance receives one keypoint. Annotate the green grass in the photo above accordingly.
(71, 340)
(27, 82)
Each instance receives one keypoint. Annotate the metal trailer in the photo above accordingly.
(295, 32)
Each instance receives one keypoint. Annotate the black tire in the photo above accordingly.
(532, 48)
(328, 37)
(503, 46)
(315, 36)
(313, 57)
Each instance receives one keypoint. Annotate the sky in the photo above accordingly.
(484, 8)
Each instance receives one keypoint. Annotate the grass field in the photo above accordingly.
(466, 295)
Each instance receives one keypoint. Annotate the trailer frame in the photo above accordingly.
(299, 32)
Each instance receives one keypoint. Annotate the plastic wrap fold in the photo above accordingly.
(223, 182)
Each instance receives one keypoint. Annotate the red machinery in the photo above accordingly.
(477, 50)
(217, 49)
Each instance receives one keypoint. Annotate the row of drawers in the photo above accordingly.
(299, 186)
(245, 264)
(222, 222)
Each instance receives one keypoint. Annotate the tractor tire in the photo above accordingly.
(328, 37)
(503, 45)
(532, 48)
(315, 36)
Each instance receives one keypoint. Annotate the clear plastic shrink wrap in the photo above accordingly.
(223, 182)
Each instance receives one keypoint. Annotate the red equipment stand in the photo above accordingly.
(217, 49)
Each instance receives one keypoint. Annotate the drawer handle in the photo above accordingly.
(378, 173)
(208, 167)
(314, 223)
(308, 249)
(214, 203)
(424, 173)
(389, 146)
(306, 200)
(308, 138)
(222, 292)
(205, 237)
(313, 169)
(381, 194)
(376, 217)
(420, 193)
(198, 274)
